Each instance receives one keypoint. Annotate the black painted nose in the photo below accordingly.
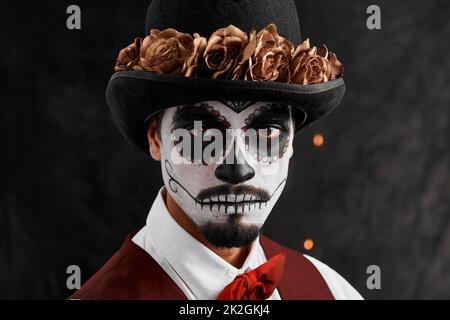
(234, 172)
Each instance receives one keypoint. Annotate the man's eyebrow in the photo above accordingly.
(188, 113)
(272, 112)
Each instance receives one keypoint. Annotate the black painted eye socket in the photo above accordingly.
(206, 145)
(204, 124)
(268, 130)
(267, 142)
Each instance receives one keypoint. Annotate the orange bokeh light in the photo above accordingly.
(318, 140)
(308, 244)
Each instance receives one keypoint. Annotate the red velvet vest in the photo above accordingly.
(133, 274)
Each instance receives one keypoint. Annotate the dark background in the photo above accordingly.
(376, 193)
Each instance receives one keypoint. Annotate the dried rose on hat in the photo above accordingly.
(129, 57)
(224, 47)
(270, 61)
(312, 65)
(166, 51)
(194, 62)
(242, 61)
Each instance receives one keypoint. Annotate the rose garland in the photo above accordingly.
(231, 54)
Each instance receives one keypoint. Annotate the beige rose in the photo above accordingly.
(129, 57)
(242, 61)
(169, 51)
(314, 65)
(337, 68)
(195, 60)
(270, 61)
(223, 50)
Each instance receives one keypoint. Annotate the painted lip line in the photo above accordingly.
(232, 201)
(233, 207)
(231, 198)
(242, 200)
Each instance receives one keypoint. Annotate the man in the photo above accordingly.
(224, 144)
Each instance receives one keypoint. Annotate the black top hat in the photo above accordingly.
(134, 96)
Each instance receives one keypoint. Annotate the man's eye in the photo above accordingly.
(269, 133)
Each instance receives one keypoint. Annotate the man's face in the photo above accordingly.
(226, 169)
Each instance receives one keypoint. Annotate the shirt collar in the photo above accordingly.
(204, 272)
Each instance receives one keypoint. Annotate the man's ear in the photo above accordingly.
(154, 141)
(291, 150)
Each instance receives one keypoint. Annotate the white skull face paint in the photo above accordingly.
(234, 195)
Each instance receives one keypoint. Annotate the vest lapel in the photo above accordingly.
(130, 274)
(301, 279)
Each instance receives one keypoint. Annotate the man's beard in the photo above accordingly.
(229, 234)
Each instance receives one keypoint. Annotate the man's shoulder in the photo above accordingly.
(341, 288)
(129, 274)
(304, 272)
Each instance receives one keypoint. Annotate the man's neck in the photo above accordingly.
(234, 256)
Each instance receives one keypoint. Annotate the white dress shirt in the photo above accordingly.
(199, 272)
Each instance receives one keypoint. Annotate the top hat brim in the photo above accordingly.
(134, 96)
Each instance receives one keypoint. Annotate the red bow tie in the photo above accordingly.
(257, 284)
